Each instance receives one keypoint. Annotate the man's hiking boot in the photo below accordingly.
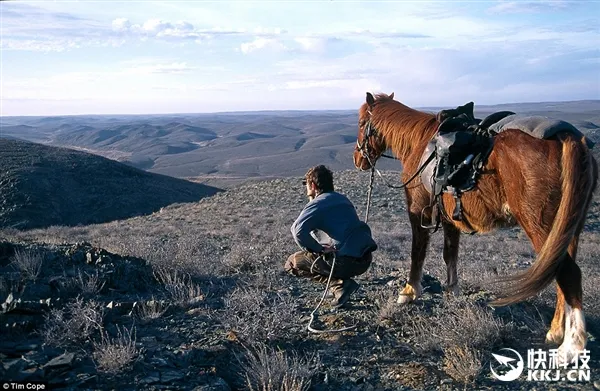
(342, 294)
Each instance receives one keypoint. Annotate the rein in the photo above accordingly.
(364, 150)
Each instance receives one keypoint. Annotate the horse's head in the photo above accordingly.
(369, 143)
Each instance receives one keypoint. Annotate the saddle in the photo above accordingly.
(461, 147)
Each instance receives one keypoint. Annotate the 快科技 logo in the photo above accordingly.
(508, 366)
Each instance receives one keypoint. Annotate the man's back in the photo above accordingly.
(334, 214)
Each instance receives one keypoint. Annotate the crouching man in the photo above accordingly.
(348, 238)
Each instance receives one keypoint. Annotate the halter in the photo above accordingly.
(370, 131)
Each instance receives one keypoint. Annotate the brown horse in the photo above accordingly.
(545, 186)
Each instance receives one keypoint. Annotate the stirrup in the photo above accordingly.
(435, 221)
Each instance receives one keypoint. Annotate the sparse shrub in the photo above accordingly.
(266, 369)
(462, 363)
(72, 324)
(113, 355)
(388, 309)
(241, 259)
(88, 284)
(179, 286)
(257, 315)
(457, 322)
(29, 263)
(152, 309)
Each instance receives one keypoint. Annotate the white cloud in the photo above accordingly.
(121, 24)
(260, 44)
(174, 68)
(311, 44)
(529, 6)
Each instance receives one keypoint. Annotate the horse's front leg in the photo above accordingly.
(451, 242)
(420, 240)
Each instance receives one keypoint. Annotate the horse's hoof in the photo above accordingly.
(570, 349)
(409, 294)
(404, 299)
(566, 355)
(554, 337)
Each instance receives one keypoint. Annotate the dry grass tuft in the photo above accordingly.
(113, 355)
(462, 363)
(266, 369)
(29, 263)
(254, 314)
(151, 310)
(457, 322)
(179, 286)
(89, 284)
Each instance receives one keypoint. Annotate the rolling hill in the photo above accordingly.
(228, 148)
(42, 185)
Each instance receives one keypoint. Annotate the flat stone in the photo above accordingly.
(31, 374)
(60, 361)
(152, 378)
(14, 366)
(214, 384)
(159, 361)
(167, 377)
(597, 384)
(35, 358)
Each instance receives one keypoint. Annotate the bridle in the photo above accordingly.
(371, 131)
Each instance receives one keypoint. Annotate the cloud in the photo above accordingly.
(26, 11)
(173, 68)
(260, 44)
(530, 6)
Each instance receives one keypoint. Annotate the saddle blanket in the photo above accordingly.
(537, 126)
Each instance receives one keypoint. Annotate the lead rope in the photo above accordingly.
(313, 315)
(402, 186)
(369, 193)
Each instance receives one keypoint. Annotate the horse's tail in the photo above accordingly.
(577, 185)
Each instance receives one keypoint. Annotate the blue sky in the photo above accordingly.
(95, 57)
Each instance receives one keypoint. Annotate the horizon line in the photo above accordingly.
(279, 110)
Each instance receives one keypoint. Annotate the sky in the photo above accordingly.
(143, 57)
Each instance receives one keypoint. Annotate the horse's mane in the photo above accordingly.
(403, 128)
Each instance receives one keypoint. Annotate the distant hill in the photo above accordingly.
(42, 185)
(243, 145)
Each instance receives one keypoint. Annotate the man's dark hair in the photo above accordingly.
(322, 177)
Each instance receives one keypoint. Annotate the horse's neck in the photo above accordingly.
(410, 137)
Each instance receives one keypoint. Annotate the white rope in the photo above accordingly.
(313, 316)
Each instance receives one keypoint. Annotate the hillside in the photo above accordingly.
(42, 185)
(194, 297)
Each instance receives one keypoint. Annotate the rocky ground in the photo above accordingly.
(195, 297)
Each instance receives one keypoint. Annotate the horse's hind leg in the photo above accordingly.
(451, 242)
(557, 327)
(569, 282)
(420, 240)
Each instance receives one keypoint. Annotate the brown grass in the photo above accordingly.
(116, 354)
(267, 369)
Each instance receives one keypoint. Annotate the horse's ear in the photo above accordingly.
(370, 99)
(392, 95)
